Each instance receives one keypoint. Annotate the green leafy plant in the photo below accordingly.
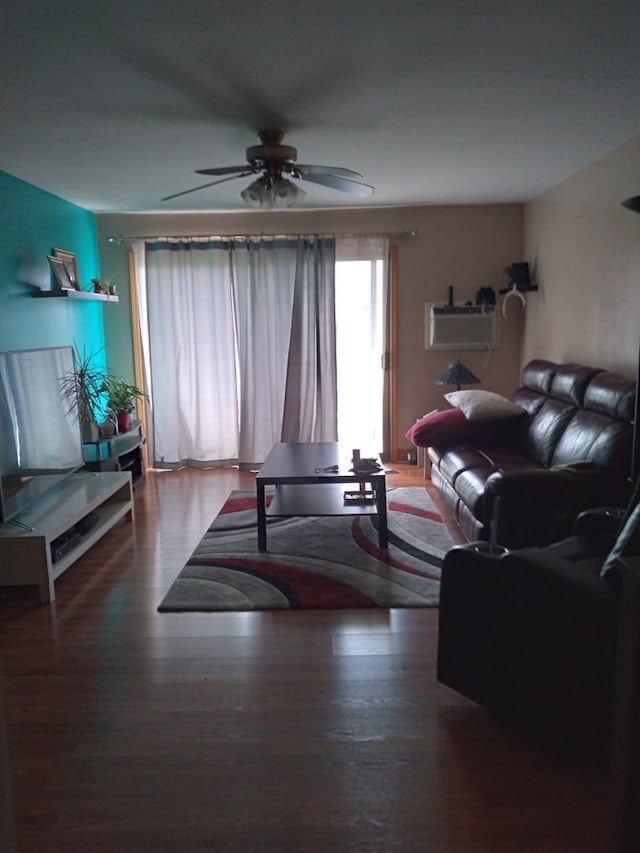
(84, 387)
(121, 396)
(96, 394)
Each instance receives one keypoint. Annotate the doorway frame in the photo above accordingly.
(391, 413)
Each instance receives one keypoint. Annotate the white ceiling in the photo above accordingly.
(113, 104)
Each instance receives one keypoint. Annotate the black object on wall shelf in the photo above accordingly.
(76, 294)
(519, 278)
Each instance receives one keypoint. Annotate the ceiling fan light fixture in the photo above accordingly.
(267, 192)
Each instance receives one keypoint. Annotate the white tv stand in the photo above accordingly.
(25, 549)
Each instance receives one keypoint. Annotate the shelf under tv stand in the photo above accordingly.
(119, 452)
(25, 549)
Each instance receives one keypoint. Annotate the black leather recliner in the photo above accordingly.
(532, 633)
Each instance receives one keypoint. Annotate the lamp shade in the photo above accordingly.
(267, 192)
(457, 374)
(632, 203)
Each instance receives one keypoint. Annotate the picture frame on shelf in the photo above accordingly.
(71, 266)
(59, 270)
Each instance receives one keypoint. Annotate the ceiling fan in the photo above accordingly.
(273, 161)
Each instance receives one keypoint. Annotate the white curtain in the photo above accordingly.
(226, 323)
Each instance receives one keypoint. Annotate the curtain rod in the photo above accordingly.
(121, 238)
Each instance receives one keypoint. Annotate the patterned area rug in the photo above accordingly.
(314, 563)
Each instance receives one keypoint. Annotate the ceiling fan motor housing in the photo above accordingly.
(271, 154)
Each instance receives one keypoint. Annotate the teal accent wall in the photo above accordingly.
(118, 321)
(32, 223)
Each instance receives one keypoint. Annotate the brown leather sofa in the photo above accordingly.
(523, 481)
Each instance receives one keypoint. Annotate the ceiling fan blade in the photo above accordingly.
(337, 183)
(204, 186)
(223, 170)
(306, 169)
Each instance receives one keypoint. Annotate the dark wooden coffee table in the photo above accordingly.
(305, 485)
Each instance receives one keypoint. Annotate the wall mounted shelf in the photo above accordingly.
(76, 294)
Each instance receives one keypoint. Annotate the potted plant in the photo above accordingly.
(84, 390)
(121, 399)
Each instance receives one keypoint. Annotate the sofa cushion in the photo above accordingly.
(595, 438)
(528, 399)
(483, 405)
(504, 458)
(545, 429)
(538, 375)
(570, 382)
(611, 394)
(458, 459)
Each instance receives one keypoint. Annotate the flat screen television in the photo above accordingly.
(40, 442)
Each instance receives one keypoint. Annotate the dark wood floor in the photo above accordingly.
(128, 730)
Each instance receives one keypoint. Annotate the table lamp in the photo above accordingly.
(457, 374)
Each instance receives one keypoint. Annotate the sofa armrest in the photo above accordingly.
(531, 571)
(539, 484)
(601, 521)
(539, 506)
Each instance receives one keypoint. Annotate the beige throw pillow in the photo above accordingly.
(483, 405)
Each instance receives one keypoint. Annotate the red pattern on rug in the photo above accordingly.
(302, 587)
(383, 556)
(414, 510)
(240, 504)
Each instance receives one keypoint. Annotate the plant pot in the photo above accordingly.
(90, 431)
(124, 421)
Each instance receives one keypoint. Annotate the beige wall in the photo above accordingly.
(583, 246)
(585, 251)
(466, 247)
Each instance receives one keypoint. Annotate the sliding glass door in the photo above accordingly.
(361, 342)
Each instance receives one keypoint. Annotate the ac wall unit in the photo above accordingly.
(461, 327)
